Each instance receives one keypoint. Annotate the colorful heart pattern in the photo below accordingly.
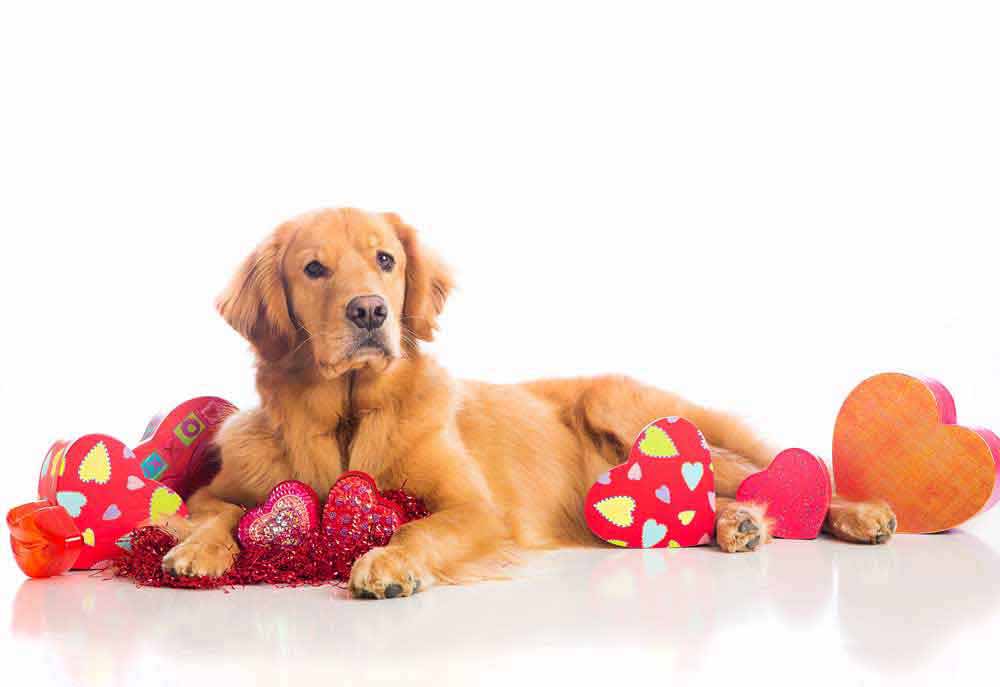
(663, 496)
(109, 489)
(796, 489)
(91, 479)
(896, 439)
(176, 448)
(290, 512)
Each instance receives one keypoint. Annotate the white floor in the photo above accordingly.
(919, 609)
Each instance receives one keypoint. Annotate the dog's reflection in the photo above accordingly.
(671, 605)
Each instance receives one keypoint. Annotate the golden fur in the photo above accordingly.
(502, 467)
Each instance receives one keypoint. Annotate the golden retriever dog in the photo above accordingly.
(335, 304)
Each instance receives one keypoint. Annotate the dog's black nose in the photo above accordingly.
(367, 312)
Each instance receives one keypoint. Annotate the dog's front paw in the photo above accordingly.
(863, 522)
(741, 527)
(385, 573)
(200, 558)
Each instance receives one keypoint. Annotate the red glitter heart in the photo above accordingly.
(290, 512)
(358, 516)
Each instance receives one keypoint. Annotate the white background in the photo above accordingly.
(755, 204)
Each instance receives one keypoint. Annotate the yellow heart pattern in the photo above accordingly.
(617, 510)
(96, 465)
(88, 536)
(686, 516)
(657, 443)
(673, 544)
(163, 503)
(617, 542)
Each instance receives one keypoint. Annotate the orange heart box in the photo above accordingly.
(896, 439)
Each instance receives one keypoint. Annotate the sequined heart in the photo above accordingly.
(357, 517)
(290, 511)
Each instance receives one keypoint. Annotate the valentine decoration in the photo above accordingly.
(44, 538)
(176, 448)
(896, 439)
(662, 496)
(101, 485)
(357, 517)
(348, 530)
(290, 511)
(796, 489)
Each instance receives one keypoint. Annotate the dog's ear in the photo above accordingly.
(256, 304)
(428, 282)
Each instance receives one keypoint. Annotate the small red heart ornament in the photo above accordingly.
(176, 448)
(662, 496)
(101, 484)
(290, 512)
(796, 489)
(44, 538)
(357, 516)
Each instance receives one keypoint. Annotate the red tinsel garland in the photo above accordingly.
(314, 561)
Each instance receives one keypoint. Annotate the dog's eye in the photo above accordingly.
(316, 269)
(385, 261)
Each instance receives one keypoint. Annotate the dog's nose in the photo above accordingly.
(367, 312)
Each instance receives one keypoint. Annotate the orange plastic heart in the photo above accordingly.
(45, 540)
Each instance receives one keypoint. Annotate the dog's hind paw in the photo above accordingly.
(741, 527)
(862, 522)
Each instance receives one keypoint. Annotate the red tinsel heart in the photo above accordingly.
(318, 558)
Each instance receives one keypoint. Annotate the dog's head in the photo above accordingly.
(349, 288)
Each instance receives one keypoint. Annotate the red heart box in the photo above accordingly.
(176, 448)
(100, 483)
(290, 512)
(796, 489)
(357, 516)
(662, 496)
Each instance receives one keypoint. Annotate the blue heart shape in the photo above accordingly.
(692, 474)
(72, 501)
(663, 493)
(112, 513)
(652, 533)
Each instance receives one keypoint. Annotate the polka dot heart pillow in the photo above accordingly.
(662, 496)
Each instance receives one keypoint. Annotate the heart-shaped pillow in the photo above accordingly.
(796, 489)
(896, 439)
(357, 516)
(101, 484)
(662, 496)
(176, 448)
(290, 512)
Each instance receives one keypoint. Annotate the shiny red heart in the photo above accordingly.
(44, 538)
(357, 516)
(290, 512)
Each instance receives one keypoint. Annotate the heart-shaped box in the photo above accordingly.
(796, 489)
(357, 516)
(176, 449)
(662, 496)
(896, 439)
(290, 512)
(101, 484)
